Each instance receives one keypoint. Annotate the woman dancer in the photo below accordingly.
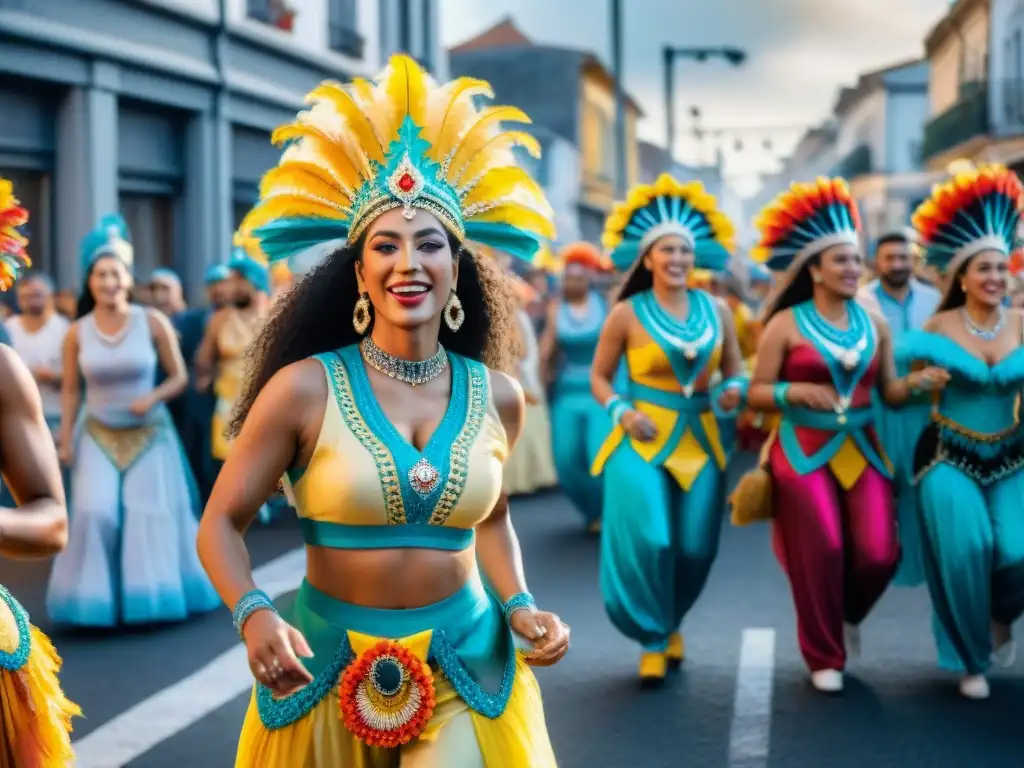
(967, 461)
(531, 466)
(35, 726)
(392, 624)
(819, 360)
(664, 461)
(578, 424)
(130, 557)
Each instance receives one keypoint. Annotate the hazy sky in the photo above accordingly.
(800, 53)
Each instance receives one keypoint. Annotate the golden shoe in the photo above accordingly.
(676, 651)
(653, 667)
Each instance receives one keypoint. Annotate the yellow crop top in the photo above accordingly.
(367, 487)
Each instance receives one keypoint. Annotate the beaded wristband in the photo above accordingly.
(248, 604)
(616, 406)
(518, 602)
(779, 395)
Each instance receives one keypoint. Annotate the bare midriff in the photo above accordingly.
(389, 578)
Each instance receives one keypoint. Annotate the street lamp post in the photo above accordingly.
(620, 100)
(734, 56)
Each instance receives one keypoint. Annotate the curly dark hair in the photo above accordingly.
(315, 316)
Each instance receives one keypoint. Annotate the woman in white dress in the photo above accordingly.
(131, 554)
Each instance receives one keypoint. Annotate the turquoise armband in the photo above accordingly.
(517, 602)
(779, 395)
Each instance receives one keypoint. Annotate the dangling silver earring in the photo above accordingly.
(454, 315)
(361, 314)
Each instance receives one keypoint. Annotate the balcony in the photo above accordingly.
(856, 163)
(965, 120)
(275, 13)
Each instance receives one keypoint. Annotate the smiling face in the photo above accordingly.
(109, 281)
(408, 269)
(670, 261)
(839, 270)
(986, 278)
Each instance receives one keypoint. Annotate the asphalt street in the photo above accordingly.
(175, 695)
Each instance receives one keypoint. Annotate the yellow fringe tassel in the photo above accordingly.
(35, 726)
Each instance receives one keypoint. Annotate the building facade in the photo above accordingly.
(162, 109)
(568, 94)
(976, 54)
(878, 140)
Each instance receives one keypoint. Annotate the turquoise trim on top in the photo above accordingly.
(662, 327)
(942, 351)
(857, 421)
(418, 506)
(320, 533)
(17, 658)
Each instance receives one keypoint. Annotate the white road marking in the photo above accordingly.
(750, 734)
(140, 728)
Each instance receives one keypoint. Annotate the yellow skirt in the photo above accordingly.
(458, 645)
(35, 726)
(457, 737)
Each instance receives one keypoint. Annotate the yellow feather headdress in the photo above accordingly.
(405, 142)
(669, 207)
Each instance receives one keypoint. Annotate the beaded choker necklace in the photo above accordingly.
(414, 372)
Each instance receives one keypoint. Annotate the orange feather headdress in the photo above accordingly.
(805, 220)
(977, 210)
(12, 243)
(584, 254)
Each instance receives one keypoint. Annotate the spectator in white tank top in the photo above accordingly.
(37, 335)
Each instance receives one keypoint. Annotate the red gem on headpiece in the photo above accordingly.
(406, 183)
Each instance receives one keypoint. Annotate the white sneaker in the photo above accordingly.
(1005, 654)
(974, 687)
(827, 680)
(851, 638)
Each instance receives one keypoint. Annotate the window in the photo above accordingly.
(605, 146)
(151, 222)
(34, 191)
(277, 13)
(343, 28)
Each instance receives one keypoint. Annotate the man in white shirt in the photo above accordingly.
(37, 335)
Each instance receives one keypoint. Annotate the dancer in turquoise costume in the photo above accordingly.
(967, 459)
(664, 462)
(578, 424)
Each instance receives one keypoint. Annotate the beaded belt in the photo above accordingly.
(986, 458)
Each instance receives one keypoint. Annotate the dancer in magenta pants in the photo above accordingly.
(820, 359)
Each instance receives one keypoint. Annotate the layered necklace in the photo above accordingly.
(414, 372)
(847, 351)
(690, 337)
(985, 334)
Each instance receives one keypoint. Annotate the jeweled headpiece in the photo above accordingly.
(109, 238)
(12, 243)
(804, 221)
(669, 207)
(977, 210)
(404, 142)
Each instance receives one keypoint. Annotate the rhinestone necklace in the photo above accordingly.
(986, 334)
(414, 372)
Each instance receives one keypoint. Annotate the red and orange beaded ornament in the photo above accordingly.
(387, 695)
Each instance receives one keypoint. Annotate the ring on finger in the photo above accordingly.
(276, 664)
